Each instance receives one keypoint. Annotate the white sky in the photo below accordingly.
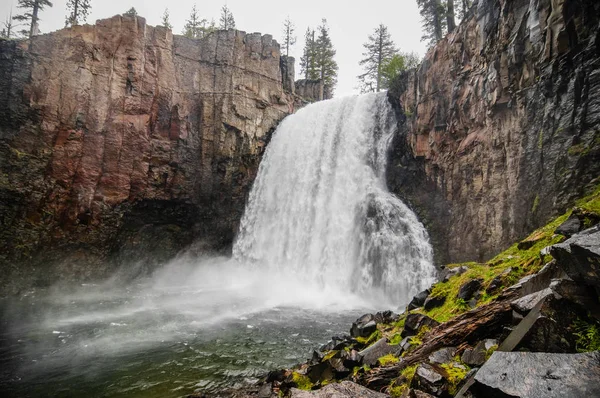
(350, 22)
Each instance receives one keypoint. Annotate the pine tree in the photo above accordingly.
(288, 35)
(195, 27)
(78, 11)
(32, 9)
(165, 20)
(8, 27)
(308, 65)
(132, 12)
(432, 12)
(324, 60)
(398, 63)
(450, 20)
(226, 21)
(379, 49)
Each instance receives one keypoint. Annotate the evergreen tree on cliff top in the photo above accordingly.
(432, 12)
(132, 12)
(226, 21)
(289, 39)
(165, 20)
(31, 11)
(8, 27)
(195, 27)
(308, 65)
(78, 11)
(324, 60)
(379, 50)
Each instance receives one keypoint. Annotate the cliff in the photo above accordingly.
(122, 142)
(500, 125)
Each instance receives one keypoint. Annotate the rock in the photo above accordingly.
(418, 300)
(406, 344)
(497, 282)
(579, 256)
(570, 227)
(363, 326)
(309, 90)
(525, 304)
(265, 391)
(539, 281)
(317, 356)
(476, 356)
(276, 375)
(534, 375)
(414, 323)
(468, 289)
(577, 293)
(386, 317)
(345, 389)
(337, 343)
(450, 272)
(429, 380)
(371, 354)
(433, 302)
(444, 355)
(417, 394)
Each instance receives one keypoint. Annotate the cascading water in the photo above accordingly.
(320, 208)
(322, 242)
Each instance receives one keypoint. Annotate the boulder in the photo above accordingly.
(430, 380)
(418, 300)
(497, 282)
(579, 256)
(476, 356)
(450, 272)
(345, 389)
(363, 326)
(386, 317)
(414, 323)
(535, 375)
(525, 304)
(443, 355)
(371, 354)
(569, 227)
(433, 302)
(468, 289)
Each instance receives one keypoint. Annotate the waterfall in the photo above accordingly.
(320, 211)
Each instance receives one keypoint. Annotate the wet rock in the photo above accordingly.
(433, 302)
(363, 326)
(345, 389)
(429, 380)
(371, 354)
(414, 323)
(534, 375)
(276, 375)
(468, 289)
(352, 359)
(579, 256)
(317, 356)
(570, 227)
(386, 317)
(476, 356)
(444, 355)
(320, 372)
(337, 343)
(418, 300)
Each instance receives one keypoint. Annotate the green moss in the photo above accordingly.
(397, 391)
(541, 139)
(587, 335)
(301, 381)
(396, 339)
(578, 150)
(388, 359)
(536, 204)
(489, 352)
(456, 374)
(330, 355)
(376, 335)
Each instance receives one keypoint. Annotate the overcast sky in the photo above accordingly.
(350, 22)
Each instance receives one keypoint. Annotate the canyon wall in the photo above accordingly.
(500, 125)
(120, 142)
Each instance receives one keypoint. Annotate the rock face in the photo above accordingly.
(501, 124)
(345, 389)
(121, 140)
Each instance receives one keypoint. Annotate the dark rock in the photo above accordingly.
(434, 302)
(316, 357)
(535, 375)
(475, 356)
(345, 389)
(414, 323)
(418, 394)
(371, 354)
(418, 300)
(577, 293)
(275, 375)
(386, 317)
(320, 372)
(352, 359)
(444, 355)
(570, 227)
(497, 282)
(429, 380)
(539, 281)
(579, 256)
(468, 289)
(405, 344)
(363, 326)
(337, 343)
(450, 272)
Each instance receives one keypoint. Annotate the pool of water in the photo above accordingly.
(189, 327)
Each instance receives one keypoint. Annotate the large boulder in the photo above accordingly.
(418, 300)
(371, 354)
(468, 289)
(415, 322)
(570, 227)
(363, 326)
(579, 256)
(535, 375)
(345, 389)
(430, 380)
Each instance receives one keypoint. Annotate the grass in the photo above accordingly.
(520, 262)
(302, 381)
(406, 376)
(456, 374)
(376, 335)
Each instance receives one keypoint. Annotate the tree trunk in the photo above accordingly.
(75, 21)
(437, 20)
(34, 19)
(450, 16)
(379, 59)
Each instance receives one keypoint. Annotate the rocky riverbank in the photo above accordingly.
(524, 324)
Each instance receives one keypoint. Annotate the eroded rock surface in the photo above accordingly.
(120, 140)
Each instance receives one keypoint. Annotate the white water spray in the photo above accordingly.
(320, 211)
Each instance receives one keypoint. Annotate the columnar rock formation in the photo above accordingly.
(503, 124)
(122, 141)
